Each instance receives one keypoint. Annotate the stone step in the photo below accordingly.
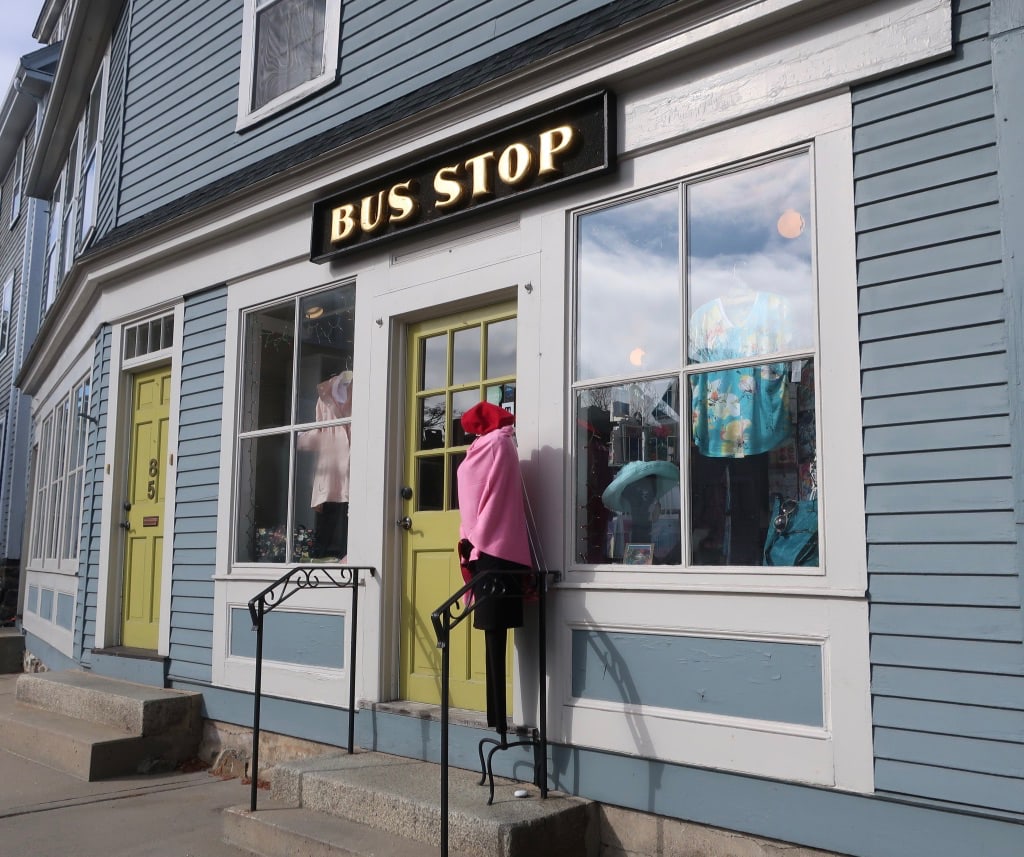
(89, 751)
(401, 797)
(134, 709)
(12, 650)
(276, 830)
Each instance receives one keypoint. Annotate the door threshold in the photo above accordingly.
(432, 711)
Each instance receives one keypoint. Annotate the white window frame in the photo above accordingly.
(53, 258)
(91, 159)
(248, 116)
(825, 129)
(17, 183)
(6, 305)
(59, 481)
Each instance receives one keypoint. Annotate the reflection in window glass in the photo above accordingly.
(745, 494)
(501, 348)
(628, 301)
(466, 356)
(432, 422)
(754, 448)
(627, 472)
(430, 480)
(297, 386)
(435, 362)
(462, 402)
(750, 287)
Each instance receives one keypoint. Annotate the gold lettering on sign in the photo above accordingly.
(447, 187)
(552, 143)
(515, 163)
(456, 185)
(343, 222)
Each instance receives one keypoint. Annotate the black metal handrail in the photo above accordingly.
(299, 578)
(484, 587)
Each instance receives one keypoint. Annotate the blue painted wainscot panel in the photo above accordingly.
(292, 637)
(65, 610)
(758, 679)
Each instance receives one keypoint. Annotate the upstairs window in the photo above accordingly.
(289, 50)
(6, 302)
(91, 136)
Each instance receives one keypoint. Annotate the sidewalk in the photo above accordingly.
(47, 813)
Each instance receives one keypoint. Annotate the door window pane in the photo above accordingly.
(466, 356)
(435, 362)
(432, 422)
(501, 348)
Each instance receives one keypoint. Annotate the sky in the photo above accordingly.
(17, 20)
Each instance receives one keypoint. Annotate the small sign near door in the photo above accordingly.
(151, 521)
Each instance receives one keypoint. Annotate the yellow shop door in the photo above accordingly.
(454, 362)
(143, 512)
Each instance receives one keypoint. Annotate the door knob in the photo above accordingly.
(405, 523)
(126, 525)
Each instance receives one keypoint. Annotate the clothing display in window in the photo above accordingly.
(331, 445)
(636, 490)
(493, 536)
(742, 411)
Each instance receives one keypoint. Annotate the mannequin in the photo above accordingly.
(493, 536)
(330, 493)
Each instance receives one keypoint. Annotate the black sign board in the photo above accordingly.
(561, 144)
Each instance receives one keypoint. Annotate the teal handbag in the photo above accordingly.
(792, 538)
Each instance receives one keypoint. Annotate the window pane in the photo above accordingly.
(628, 294)
(750, 282)
(462, 402)
(325, 355)
(267, 367)
(289, 47)
(754, 443)
(263, 499)
(627, 472)
(435, 362)
(430, 482)
(320, 516)
(466, 356)
(501, 348)
(432, 422)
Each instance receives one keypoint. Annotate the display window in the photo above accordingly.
(294, 441)
(696, 436)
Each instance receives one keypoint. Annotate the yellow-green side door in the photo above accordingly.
(143, 514)
(454, 362)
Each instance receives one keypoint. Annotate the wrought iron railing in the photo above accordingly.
(484, 587)
(299, 578)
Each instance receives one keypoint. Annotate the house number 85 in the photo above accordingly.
(151, 488)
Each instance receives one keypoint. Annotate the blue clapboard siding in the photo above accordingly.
(762, 680)
(110, 154)
(198, 483)
(92, 500)
(183, 71)
(947, 660)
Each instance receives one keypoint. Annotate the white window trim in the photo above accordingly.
(6, 305)
(332, 33)
(101, 78)
(843, 570)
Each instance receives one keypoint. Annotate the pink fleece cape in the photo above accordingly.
(493, 517)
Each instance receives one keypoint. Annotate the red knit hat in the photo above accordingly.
(484, 417)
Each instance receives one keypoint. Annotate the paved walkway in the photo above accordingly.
(47, 813)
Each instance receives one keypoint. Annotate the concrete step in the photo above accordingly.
(277, 830)
(401, 797)
(124, 728)
(12, 650)
(135, 709)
